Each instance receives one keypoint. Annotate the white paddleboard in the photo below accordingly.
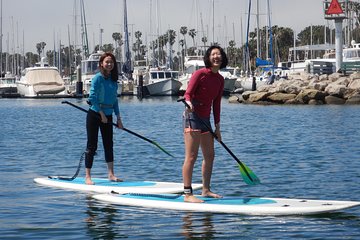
(103, 185)
(246, 206)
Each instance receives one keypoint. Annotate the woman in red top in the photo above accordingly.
(204, 92)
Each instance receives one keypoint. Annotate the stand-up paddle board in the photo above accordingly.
(246, 206)
(106, 186)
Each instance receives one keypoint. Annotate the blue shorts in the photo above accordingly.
(193, 123)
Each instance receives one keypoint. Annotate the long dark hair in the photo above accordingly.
(114, 72)
(224, 59)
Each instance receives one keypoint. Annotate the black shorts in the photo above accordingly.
(193, 123)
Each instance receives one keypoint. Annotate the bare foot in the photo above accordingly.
(89, 182)
(210, 194)
(115, 179)
(192, 199)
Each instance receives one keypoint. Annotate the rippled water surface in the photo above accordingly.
(296, 151)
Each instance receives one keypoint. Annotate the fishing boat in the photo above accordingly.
(90, 67)
(41, 80)
(160, 81)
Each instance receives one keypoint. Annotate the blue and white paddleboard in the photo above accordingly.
(246, 206)
(105, 186)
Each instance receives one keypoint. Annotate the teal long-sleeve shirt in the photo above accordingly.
(103, 95)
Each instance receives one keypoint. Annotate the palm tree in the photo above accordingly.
(182, 44)
(137, 44)
(118, 43)
(183, 31)
(231, 52)
(171, 38)
(204, 40)
(192, 33)
(40, 48)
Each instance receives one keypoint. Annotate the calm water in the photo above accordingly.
(297, 152)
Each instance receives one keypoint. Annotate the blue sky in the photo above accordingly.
(27, 22)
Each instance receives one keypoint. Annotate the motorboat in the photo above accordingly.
(40, 81)
(231, 75)
(8, 84)
(160, 81)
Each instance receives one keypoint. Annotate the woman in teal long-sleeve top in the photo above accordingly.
(104, 102)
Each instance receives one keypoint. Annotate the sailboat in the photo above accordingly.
(157, 79)
(90, 66)
(264, 67)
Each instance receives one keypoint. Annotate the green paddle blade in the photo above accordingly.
(248, 176)
(162, 149)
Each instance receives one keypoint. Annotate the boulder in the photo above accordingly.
(334, 100)
(235, 99)
(281, 97)
(335, 89)
(353, 99)
(307, 94)
(354, 84)
(260, 96)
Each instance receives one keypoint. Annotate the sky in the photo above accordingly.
(28, 22)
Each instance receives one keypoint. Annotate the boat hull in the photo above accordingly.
(167, 87)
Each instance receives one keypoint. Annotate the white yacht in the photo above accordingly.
(40, 81)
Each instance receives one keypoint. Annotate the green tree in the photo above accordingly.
(183, 31)
(231, 53)
(117, 37)
(40, 48)
(192, 34)
(108, 47)
(137, 45)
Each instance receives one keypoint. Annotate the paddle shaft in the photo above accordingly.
(125, 129)
(221, 142)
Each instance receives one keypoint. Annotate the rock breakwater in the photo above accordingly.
(305, 88)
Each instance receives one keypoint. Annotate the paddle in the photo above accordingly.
(248, 176)
(125, 129)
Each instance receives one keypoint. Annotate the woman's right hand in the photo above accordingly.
(190, 107)
(103, 117)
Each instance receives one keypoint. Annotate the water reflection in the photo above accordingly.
(198, 226)
(101, 220)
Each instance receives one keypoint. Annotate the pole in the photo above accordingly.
(338, 43)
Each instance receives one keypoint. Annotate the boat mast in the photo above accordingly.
(213, 21)
(127, 63)
(1, 36)
(270, 35)
(258, 52)
(84, 36)
(247, 51)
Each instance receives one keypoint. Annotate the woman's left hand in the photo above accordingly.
(218, 134)
(119, 123)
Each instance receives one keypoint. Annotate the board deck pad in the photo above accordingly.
(238, 205)
(103, 185)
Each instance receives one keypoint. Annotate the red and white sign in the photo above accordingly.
(334, 8)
